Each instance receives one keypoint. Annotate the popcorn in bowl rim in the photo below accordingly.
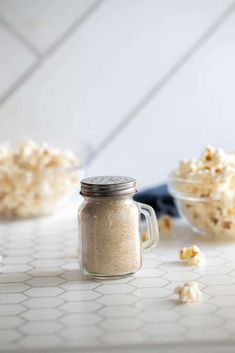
(205, 191)
(34, 178)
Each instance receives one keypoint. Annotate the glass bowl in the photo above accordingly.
(214, 218)
(26, 192)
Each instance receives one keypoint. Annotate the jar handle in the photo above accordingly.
(152, 225)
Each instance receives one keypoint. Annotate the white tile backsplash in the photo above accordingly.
(42, 23)
(85, 88)
(15, 60)
(196, 108)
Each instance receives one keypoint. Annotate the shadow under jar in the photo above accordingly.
(109, 227)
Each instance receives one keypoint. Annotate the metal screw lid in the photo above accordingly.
(108, 186)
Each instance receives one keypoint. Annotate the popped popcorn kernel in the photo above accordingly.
(183, 254)
(189, 293)
(192, 256)
(196, 260)
(193, 251)
(165, 224)
(208, 154)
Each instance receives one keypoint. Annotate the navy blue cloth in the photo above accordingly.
(160, 199)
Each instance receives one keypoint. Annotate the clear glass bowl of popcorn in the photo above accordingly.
(204, 190)
(35, 179)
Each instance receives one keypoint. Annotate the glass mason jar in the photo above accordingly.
(110, 242)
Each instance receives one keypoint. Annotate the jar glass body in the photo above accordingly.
(109, 236)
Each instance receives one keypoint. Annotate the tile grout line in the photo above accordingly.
(19, 37)
(19, 82)
(164, 80)
(73, 28)
(41, 56)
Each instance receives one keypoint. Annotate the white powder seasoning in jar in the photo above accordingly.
(109, 227)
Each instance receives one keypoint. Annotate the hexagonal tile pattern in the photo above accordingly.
(200, 321)
(128, 324)
(223, 301)
(181, 276)
(159, 316)
(46, 302)
(212, 270)
(79, 285)
(226, 313)
(46, 272)
(14, 269)
(12, 298)
(43, 292)
(81, 319)
(149, 282)
(151, 272)
(217, 279)
(13, 277)
(163, 329)
(45, 281)
(41, 314)
(115, 289)
(152, 292)
(84, 332)
(40, 341)
(47, 263)
(117, 299)
(73, 275)
(80, 295)
(10, 322)
(220, 290)
(42, 302)
(9, 309)
(41, 327)
(80, 307)
(118, 311)
(207, 334)
(16, 260)
(150, 264)
(121, 338)
(9, 336)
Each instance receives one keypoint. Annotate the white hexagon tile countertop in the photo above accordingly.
(47, 304)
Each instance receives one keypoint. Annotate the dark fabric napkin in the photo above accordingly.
(160, 199)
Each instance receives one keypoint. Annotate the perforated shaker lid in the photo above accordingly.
(108, 186)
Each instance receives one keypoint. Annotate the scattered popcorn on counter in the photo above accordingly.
(205, 191)
(196, 260)
(165, 225)
(192, 255)
(34, 178)
(189, 293)
(183, 254)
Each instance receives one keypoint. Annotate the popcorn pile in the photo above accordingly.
(34, 178)
(192, 255)
(205, 191)
(189, 293)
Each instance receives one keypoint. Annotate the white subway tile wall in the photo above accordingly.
(15, 60)
(143, 82)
